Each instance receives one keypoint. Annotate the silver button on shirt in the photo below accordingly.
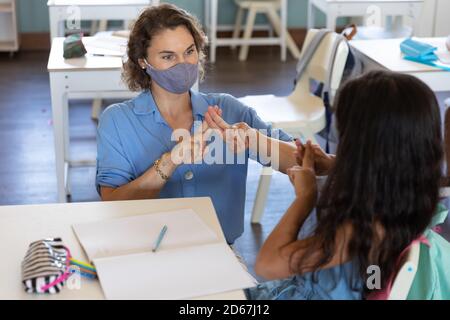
(189, 175)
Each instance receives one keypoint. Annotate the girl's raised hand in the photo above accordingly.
(323, 161)
(303, 177)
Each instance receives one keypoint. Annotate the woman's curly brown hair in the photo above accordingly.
(150, 22)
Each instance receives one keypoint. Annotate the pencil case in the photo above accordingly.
(417, 50)
(46, 266)
(73, 46)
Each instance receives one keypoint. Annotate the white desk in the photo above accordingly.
(334, 9)
(59, 11)
(385, 54)
(21, 225)
(211, 10)
(92, 76)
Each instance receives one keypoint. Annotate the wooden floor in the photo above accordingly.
(27, 173)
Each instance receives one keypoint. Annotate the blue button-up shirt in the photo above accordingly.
(133, 134)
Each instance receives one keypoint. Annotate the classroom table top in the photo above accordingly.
(21, 225)
(89, 62)
(386, 52)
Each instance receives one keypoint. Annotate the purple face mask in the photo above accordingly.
(177, 79)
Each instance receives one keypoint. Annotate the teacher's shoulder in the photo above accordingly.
(113, 113)
(226, 102)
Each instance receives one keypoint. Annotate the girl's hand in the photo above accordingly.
(323, 161)
(304, 178)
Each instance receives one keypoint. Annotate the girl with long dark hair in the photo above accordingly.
(381, 194)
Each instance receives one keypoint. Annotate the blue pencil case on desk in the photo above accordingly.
(418, 51)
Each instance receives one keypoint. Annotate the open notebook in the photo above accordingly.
(106, 44)
(190, 262)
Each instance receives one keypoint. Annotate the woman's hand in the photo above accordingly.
(192, 149)
(323, 161)
(304, 178)
(236, 136)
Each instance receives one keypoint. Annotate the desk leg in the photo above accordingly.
(213, 30)
(96, 108)
(59, 103)
(331, 19)
(238, 25)
(65, 126)
(276, 23)
(251, 16)
(311, 22)
(261, 194)
(283, 27)
(207, 17)
(415, 12)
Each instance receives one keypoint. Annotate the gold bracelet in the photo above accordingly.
(161, 174)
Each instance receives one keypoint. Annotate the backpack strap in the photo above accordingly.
(439, 217)
(326, 92)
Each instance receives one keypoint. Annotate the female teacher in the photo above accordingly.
(135, 138)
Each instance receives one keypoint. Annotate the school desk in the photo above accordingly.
(385, 54)
(87, 75)
(333, 9)
(21, 225)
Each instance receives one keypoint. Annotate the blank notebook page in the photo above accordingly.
(137, 234)
(173, 274)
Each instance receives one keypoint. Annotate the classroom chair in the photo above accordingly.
(268, 7)
(302, 113)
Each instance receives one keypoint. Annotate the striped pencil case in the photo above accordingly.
(46, 266)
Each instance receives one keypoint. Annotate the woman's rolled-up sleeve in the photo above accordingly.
(114, 169)
(248, 115)
(254, 121)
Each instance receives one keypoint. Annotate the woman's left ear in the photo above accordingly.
(142, 63)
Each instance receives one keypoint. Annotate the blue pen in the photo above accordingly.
(160, 237)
